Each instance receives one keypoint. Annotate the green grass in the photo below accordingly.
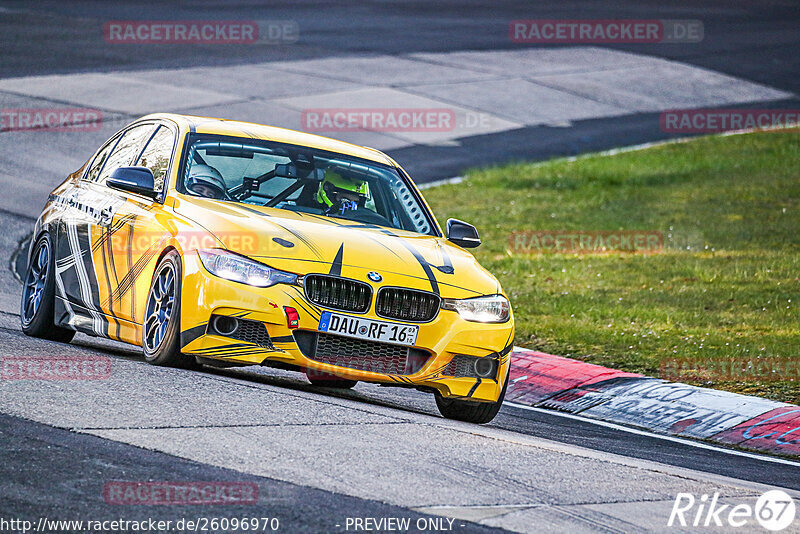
(725, 285)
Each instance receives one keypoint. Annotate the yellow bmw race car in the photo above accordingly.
(224, 243)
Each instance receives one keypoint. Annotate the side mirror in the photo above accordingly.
(462, 234)
(137, 180)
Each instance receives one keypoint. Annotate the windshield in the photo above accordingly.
(301, 179)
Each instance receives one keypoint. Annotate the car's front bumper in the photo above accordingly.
(447, 336)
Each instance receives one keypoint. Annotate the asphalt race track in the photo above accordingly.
(321, 458)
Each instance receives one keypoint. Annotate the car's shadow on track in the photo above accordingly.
(258, 375)
(299, 384)
(128, 354)
(134, 354)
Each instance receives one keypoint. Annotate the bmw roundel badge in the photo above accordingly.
(375, 277)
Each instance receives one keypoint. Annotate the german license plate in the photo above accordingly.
(361, 328)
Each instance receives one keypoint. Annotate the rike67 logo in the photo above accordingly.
(774, 510)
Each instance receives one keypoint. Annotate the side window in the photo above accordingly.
(157, 154)
(102, 156)
(127, 148)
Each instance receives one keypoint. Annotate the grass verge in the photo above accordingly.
(721, 297)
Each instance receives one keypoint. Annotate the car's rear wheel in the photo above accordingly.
(471, 412)
(318, 378)
(38, 295)
(162, 317)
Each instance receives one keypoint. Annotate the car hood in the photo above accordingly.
(303, 243)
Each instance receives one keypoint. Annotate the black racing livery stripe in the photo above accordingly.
(187, 336)
(108, 284)
(474, 387)
(314, 312)
(509, 347)
(128, 281)
(313, 315)
(364, 225)
(447, 265)
(255, 351)
(85, 251)
(434, 373)
(426, 267)
(336, 265)
(300, 293)
(110, 231)
(462, 288)
(126, 278)
(84, 244)
(112, 260)
(299, 235)
(222, 348)
(252, 135)
(232, 350)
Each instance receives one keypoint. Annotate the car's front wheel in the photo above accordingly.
(162, 316)
(36, 312)
(471, 412)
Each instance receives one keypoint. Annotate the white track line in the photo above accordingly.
(690, 443)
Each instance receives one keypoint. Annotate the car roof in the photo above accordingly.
(251, 130)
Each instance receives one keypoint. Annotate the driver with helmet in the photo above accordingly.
(338, 194)
(206, 181)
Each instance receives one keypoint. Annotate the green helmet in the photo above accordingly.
(334, 183)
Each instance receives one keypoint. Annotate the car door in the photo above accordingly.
(133, 238)
(90, 274)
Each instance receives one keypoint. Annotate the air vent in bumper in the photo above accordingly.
(241, 329)
(462, 366)
(359, 354)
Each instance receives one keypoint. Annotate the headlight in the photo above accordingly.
(243, 270)
(491, 309)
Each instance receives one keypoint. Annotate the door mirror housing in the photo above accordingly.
(462, 234)
(137, 180)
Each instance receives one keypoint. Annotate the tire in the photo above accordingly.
(162, 316)
(37, 304)
(471, 412)
(326, 380)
